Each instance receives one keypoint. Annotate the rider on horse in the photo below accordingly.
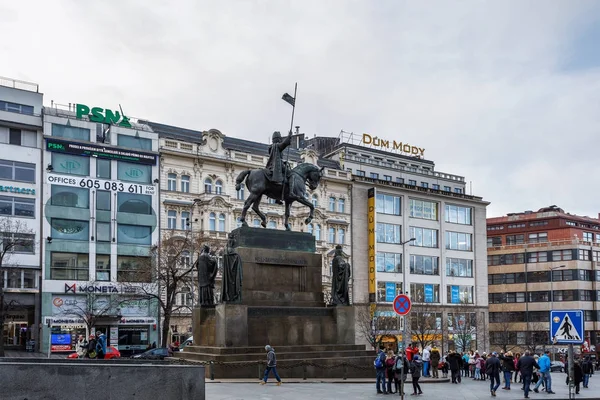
(276, 168)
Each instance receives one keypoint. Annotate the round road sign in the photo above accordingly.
(402, 304)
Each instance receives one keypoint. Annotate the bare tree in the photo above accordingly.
(376, 322)
(167, 271)
(14, 236)
(537, 337)
(503, 329)
(463, 322)
(425, 323)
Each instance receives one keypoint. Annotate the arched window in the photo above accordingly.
(207, 186)
(318, 232)
(309, 228)
(221, 223)
(212, 222)
(219, 187)
(315, 200)
(272, 225)
(256, 223)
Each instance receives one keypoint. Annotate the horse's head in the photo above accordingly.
(314, 177)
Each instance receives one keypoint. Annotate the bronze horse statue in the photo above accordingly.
(294, 189)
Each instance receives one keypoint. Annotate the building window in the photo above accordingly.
(134, 142)
(374, 175)
(69, 266)
(317, 232)
(331, 235)
(315, 200)
(387, 291)
(399, 180)
(332, 204)
(14, 136)
(425, 293)
(447, 188)
(459, 294)
(103, 169)
(70, 165)
(538, 223)
(387, 204)
(387, 178)
(540, 256)
(458, 190)
(459, 241)
(341, 205)
(103, 232)
(102, 200)
(273, 225)
(389, 233)
(134, 172)
(17, 171)
(185, 297)
(309, 229)
(389, 262)
(17, 206)
(185, 220)
(172, 182)
(588, 237)
(423, 209)
(240, 193)
(515, 239)
(270, 200)
(134, 203)
(185, 259)
(494, 241)
(207, 186)
(459, 267)
(17, 243)
(458, 215)
(133, 269)
(219, 187)
(424, 237)
(256, 222)
(412, 182)
(71, 132)
(360, 173)
(185, 183)
(67, 196)
(221, 223)
(341, 235)
(134, 234)
(424, 265)
(212, 222)
(425, 184)
(538, 237)
(562, 255)
(16, 108)
(102, 267)
(69, 229)
(435, 187)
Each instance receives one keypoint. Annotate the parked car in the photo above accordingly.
(187, 342)
(153, 354)
(111, 352)
(557, 366)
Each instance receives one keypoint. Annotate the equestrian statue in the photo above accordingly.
(278, 182)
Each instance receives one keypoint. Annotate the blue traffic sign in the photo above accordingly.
(566, 326)
(402, 304)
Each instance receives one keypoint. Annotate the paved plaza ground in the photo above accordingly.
(317, 390)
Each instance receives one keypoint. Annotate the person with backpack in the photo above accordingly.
(271, 366)
(401, 367)
(390, 363)
(379, 364)
(416, 366)
(100, 345)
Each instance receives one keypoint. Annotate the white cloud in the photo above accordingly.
(480, 85)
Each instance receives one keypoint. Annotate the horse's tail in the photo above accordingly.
(240, 179)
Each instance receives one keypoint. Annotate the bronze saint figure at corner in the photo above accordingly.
(207, 273)
(340, 278)
(231, 291)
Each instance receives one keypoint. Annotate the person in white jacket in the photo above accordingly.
(81, 347)
(426, 361)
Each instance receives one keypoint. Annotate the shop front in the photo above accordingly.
(17, 328)
(135, 333)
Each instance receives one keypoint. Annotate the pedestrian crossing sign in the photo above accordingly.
(566, 326)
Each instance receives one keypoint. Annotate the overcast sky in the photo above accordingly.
(505, 93)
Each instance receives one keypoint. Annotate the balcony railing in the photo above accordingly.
(17, 84)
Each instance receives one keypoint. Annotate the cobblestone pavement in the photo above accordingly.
(317, 390)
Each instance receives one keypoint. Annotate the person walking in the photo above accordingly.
(100, 345)
(508, 367)
(545, 377)
(525, 366)
(492, 369)
(455, 363)
(271, 366)
(426, 361)
(379, 364)
(416, 367)
(434, 358)
(577, 375)
(588, 369)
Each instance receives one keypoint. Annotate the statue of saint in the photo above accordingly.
(276, 167)
(231, 291)
(340, 277)
(207, 273)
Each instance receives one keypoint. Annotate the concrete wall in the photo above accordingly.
(98, 381)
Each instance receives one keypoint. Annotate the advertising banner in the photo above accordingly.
(371, 241)
(428, 293)
(104, 152)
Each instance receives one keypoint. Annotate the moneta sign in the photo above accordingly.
(393, 145)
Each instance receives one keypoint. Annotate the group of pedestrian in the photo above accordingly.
(95, 347)
(393, 371)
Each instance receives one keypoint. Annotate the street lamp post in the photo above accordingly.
(552, 302)
(404, 270)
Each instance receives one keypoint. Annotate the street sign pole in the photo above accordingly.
(571, 367)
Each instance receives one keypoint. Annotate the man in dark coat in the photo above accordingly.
(455, 362)
(492, 369)
(525, 365)
(577, 376)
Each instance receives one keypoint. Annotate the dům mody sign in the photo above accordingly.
(102, 115)
(392, 145)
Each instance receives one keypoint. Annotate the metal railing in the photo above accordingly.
(17, 84)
